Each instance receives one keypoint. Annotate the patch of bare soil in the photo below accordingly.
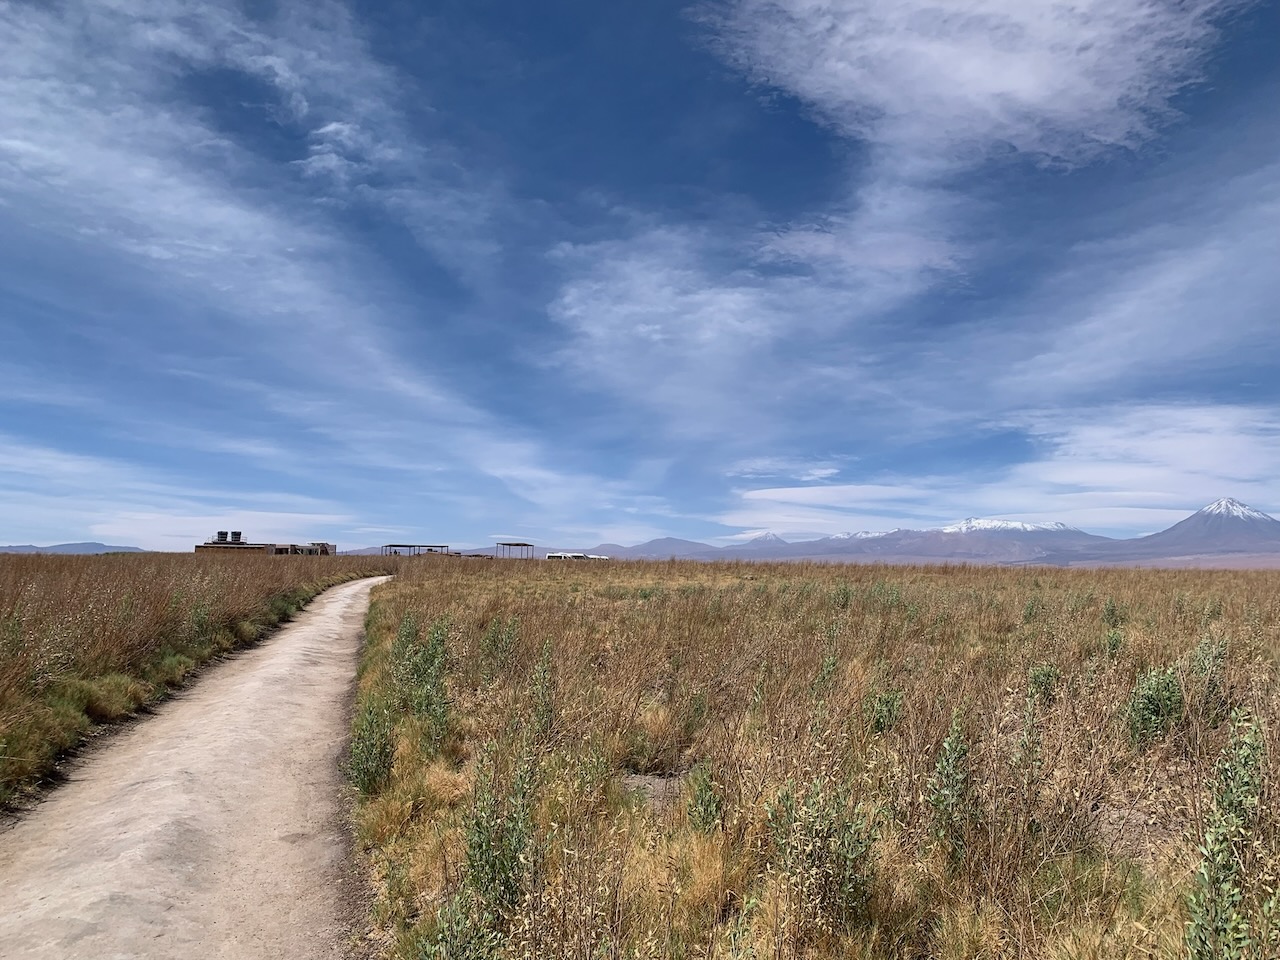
(662, 793)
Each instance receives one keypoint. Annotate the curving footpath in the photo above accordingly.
(212, 829)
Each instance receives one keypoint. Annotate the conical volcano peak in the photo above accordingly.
(1230, 507)
(767, 537)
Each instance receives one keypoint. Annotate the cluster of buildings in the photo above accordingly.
(234, 541)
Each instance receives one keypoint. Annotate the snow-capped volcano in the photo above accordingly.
(862, 534)
(763, 544)
(974, 525)
(1228, 507)
(1223, 527)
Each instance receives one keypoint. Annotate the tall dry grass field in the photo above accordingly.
(90, 639)
(683, 760)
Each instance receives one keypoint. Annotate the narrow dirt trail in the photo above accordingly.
(212, 829)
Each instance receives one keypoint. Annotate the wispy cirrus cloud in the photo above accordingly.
(1127, 470)
(240, 229)
(823, 327)
(122, 502)
(241, 241)
(948, 84)
(933, 91)
(757, 468)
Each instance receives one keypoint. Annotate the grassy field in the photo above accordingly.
(683, 760)
(86, 640)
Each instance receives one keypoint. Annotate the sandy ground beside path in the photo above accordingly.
(212, 829)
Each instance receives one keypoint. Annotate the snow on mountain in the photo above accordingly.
(1228, 507)
(864, 534)
(765, 539)
(975, 525)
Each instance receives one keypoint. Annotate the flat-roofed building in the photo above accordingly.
(234, 542)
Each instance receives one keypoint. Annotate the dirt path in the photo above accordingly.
(214, 828)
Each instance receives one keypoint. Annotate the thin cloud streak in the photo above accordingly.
(1119, 470)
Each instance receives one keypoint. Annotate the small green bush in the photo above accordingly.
(1209, 665)
(1230, 920)
(372, 747)
(1112, 615)
(822, 845)
(883, 710)
(706, 806)
(1042, 682)
(497, 647)
(1155, 706)
(500, 833)
(950, 792)
(542, 691)
(418, 669)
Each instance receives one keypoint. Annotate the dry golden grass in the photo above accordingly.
(85, 640)
(685, 760)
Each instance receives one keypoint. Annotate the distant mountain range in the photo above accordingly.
(1225, 533)
(70, 548)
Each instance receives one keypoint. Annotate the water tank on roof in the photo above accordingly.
(222, 536)
(235, 536)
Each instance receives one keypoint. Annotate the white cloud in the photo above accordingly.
(122, 503)
(794, 468)
(668, 321)
(1127, 469)
(1157, 303)
(102, 154)
(712, 331)
(936, 89)
(942, 84)
(98, 148)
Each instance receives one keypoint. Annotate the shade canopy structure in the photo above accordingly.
(513, 549)
(413, 549)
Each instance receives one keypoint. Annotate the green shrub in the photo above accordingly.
(826, 674)
(418, 669)
(542, 691)
(1229, 918)
(499, 831)
(1042, 682)
(1209, 665)
(463, 930)
(497, 647)
(1112, 615)
(883, 710)
(1212, 611)
(1155, 706)
(372, 747)
(706, 806)
(950, 792)
(822, 845)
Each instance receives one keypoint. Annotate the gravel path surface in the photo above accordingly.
(213, 828)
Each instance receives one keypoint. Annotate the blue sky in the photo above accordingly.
(585, 272)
